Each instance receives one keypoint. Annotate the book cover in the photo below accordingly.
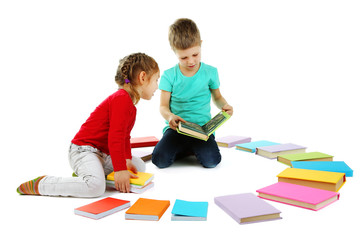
(203, 132)
(335, 166)
(102, 208)
(147, 209)
(142, 180)
(331, 181)
(133, 188)
(288, 159)
(247, 208)
(298, 195)
(189, 211)
(138, 142)
(280, 149)
(231, 141)
(251, 146)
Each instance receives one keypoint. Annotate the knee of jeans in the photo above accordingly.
(96, 188)
(206, 165)
(161, 160)
(209, 161)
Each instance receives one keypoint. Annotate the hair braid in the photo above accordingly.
(129, 69)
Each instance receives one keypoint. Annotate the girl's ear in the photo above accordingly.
(142, 77)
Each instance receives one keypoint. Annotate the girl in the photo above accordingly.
(102, 144)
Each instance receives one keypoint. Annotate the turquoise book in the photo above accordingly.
(251, 146)
(333, 166)
(189, 211)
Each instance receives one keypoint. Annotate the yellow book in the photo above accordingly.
(144, 178)
(331, 181)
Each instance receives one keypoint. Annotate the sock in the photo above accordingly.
(30, 188)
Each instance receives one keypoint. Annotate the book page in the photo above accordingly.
(193, 126)
(213, 123)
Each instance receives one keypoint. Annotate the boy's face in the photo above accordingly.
(189, 59)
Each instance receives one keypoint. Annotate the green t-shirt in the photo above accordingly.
(190, 96)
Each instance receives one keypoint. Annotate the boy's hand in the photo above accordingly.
(228, 109)
(122, 180)
(174, 121)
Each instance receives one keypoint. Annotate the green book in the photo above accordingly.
(203, 132)
(288, 159)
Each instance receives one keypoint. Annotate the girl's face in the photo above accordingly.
(189, 60)
(150, 86)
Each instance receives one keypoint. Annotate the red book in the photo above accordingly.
(102, 208)
(143, 142)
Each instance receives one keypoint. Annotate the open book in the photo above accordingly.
(203, 132)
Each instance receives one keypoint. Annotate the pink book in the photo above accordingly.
(297, 195)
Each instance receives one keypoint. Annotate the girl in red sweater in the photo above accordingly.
(102, 144)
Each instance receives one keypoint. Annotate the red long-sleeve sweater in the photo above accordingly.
(108, 128)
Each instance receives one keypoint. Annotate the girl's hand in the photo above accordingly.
(228, 109)
(131, 166)
(122, 180)
(174, 121)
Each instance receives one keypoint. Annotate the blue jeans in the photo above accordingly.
(174, 145)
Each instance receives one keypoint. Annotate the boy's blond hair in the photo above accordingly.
(183, 34)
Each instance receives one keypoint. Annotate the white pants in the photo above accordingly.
(91, 166)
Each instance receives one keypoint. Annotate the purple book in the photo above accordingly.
(231, 141)
(280, 149)
(247, 208)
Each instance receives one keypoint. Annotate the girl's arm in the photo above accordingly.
(165, 110)
(220, 101)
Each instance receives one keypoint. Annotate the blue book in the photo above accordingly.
(189, 211)
(332, 166)
(251, 146)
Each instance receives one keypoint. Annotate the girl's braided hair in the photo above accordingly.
(129, 69)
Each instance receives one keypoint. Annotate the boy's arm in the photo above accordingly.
(220, 101)
(165, 110)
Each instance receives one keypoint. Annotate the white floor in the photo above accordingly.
(239, 172)
(289, 68)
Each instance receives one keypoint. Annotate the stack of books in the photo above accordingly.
(311, 189)
(312, 182)
(137, 185)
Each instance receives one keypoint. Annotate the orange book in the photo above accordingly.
(147, 209)
(143, 142)
(102, 208)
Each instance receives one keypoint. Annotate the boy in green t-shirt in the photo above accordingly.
(186, 92)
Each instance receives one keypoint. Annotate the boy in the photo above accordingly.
(186, 92)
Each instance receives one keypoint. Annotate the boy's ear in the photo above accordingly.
(142, 77)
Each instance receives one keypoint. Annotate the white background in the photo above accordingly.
(289, 68)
